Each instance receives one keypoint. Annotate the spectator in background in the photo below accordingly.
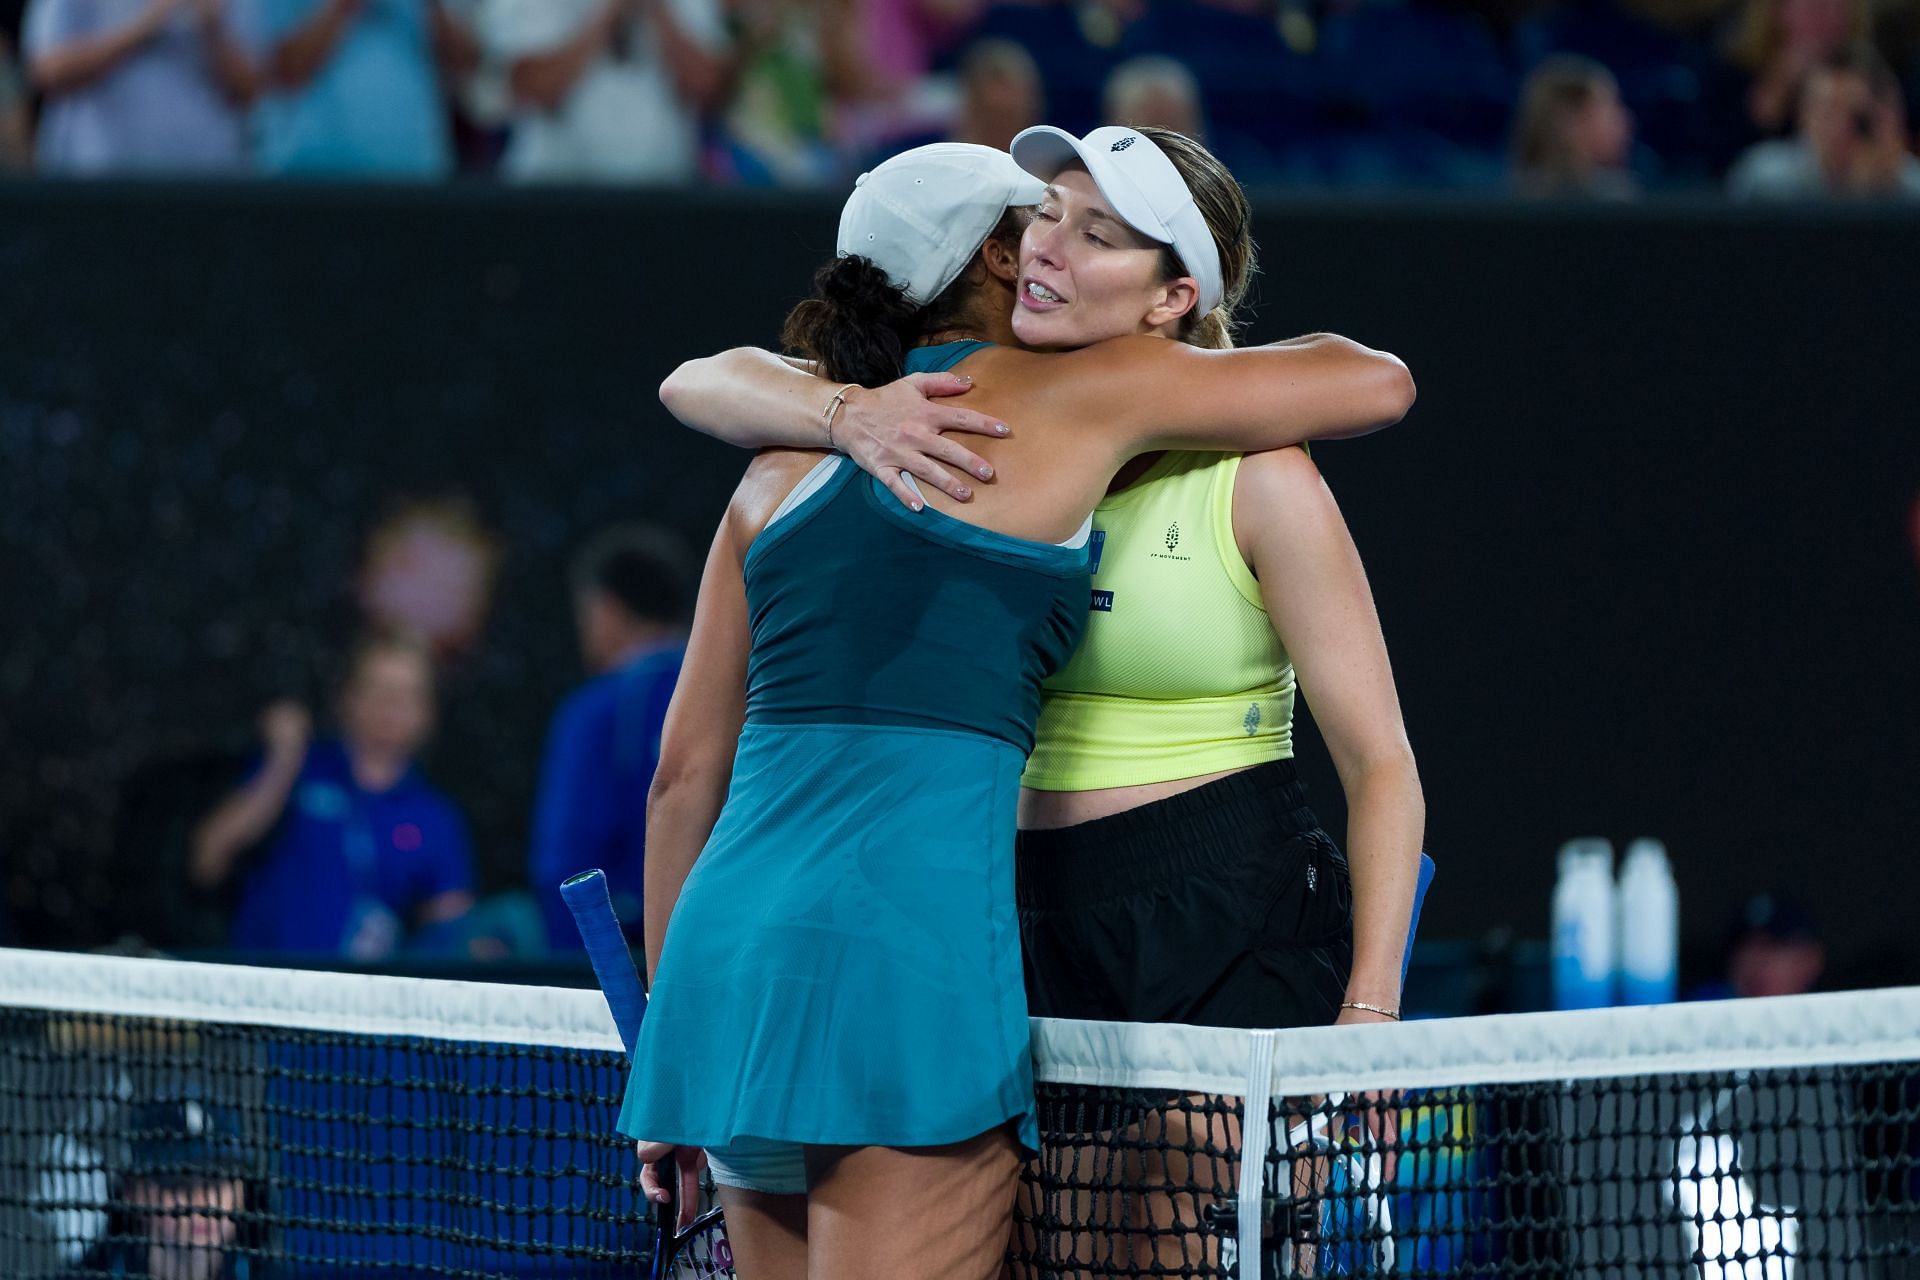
(364, 848)
(1852, 140)
(142, 86)
(1000, 94)
(800, 62)
(608, 90)
(1572, 135)
(904, 37)
(1776, 46)
(356, 87)
(1155, 91)
(188, 1203)
(428, 570)
(903, 101)
(632, 592)
(1773, 949)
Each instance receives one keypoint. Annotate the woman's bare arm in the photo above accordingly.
(698, 740)
(543, 80)
(1316, 592)
(1153, 393)
(241, 76)
(239, 821)
(758, 400)
(305, 50)
(77, 63)
(1144, 393)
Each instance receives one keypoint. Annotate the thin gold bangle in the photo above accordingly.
(832, 411)
(1371, 1008)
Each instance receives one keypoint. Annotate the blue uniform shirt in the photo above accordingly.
(350, 866)
(592, 807)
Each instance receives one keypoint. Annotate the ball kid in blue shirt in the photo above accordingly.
(364, 850)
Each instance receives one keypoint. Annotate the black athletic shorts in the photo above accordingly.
(1223, 906)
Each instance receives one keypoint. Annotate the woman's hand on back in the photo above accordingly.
(901, 429)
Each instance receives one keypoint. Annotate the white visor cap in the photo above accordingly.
(1142, 185)
(922, 215)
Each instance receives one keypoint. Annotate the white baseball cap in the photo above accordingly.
(922, 215)
(1142, 185)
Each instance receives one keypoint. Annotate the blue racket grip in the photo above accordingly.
(592, 906)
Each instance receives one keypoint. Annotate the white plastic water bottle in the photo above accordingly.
(1583, 925)
(1649, 925)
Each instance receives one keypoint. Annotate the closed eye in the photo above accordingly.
(1097, 240)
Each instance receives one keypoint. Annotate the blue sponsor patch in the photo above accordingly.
(1098, 543)
(1102, 602)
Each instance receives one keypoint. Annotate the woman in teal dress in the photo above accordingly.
(837, 1013)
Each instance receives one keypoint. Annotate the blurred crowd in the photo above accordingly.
(326, 835)
(1603, 99)
(338, 843)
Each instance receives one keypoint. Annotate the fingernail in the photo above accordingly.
(963, 493)
(986, 473)
(917, 506)
(964, 377)
(999, 428)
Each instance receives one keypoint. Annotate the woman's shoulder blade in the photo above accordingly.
(769, 478)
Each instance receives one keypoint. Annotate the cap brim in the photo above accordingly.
(1044, 151)
(1027, 190)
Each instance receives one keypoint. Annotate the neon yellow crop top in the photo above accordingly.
(1181, 673)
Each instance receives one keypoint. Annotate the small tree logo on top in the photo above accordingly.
(1173, 535)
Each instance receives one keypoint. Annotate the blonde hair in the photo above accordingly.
(1223, 203)
(1557, 91)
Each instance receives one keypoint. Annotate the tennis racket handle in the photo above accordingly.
(666, 1217)
(587, 898)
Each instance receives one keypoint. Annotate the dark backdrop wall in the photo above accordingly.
(1645, 551)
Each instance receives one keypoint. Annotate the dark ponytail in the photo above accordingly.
(858, 325)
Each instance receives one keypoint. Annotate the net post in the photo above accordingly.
(1253, 1151)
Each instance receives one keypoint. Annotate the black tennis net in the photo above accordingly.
(261, 1123)
(251, 1123)
(1758, 1140)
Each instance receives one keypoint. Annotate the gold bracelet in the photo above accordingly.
(1371, 1008)
(832, 411)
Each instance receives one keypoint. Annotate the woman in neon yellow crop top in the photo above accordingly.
(1222, 582)
(1169, 870)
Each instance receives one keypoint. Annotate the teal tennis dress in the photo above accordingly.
(843, 965)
